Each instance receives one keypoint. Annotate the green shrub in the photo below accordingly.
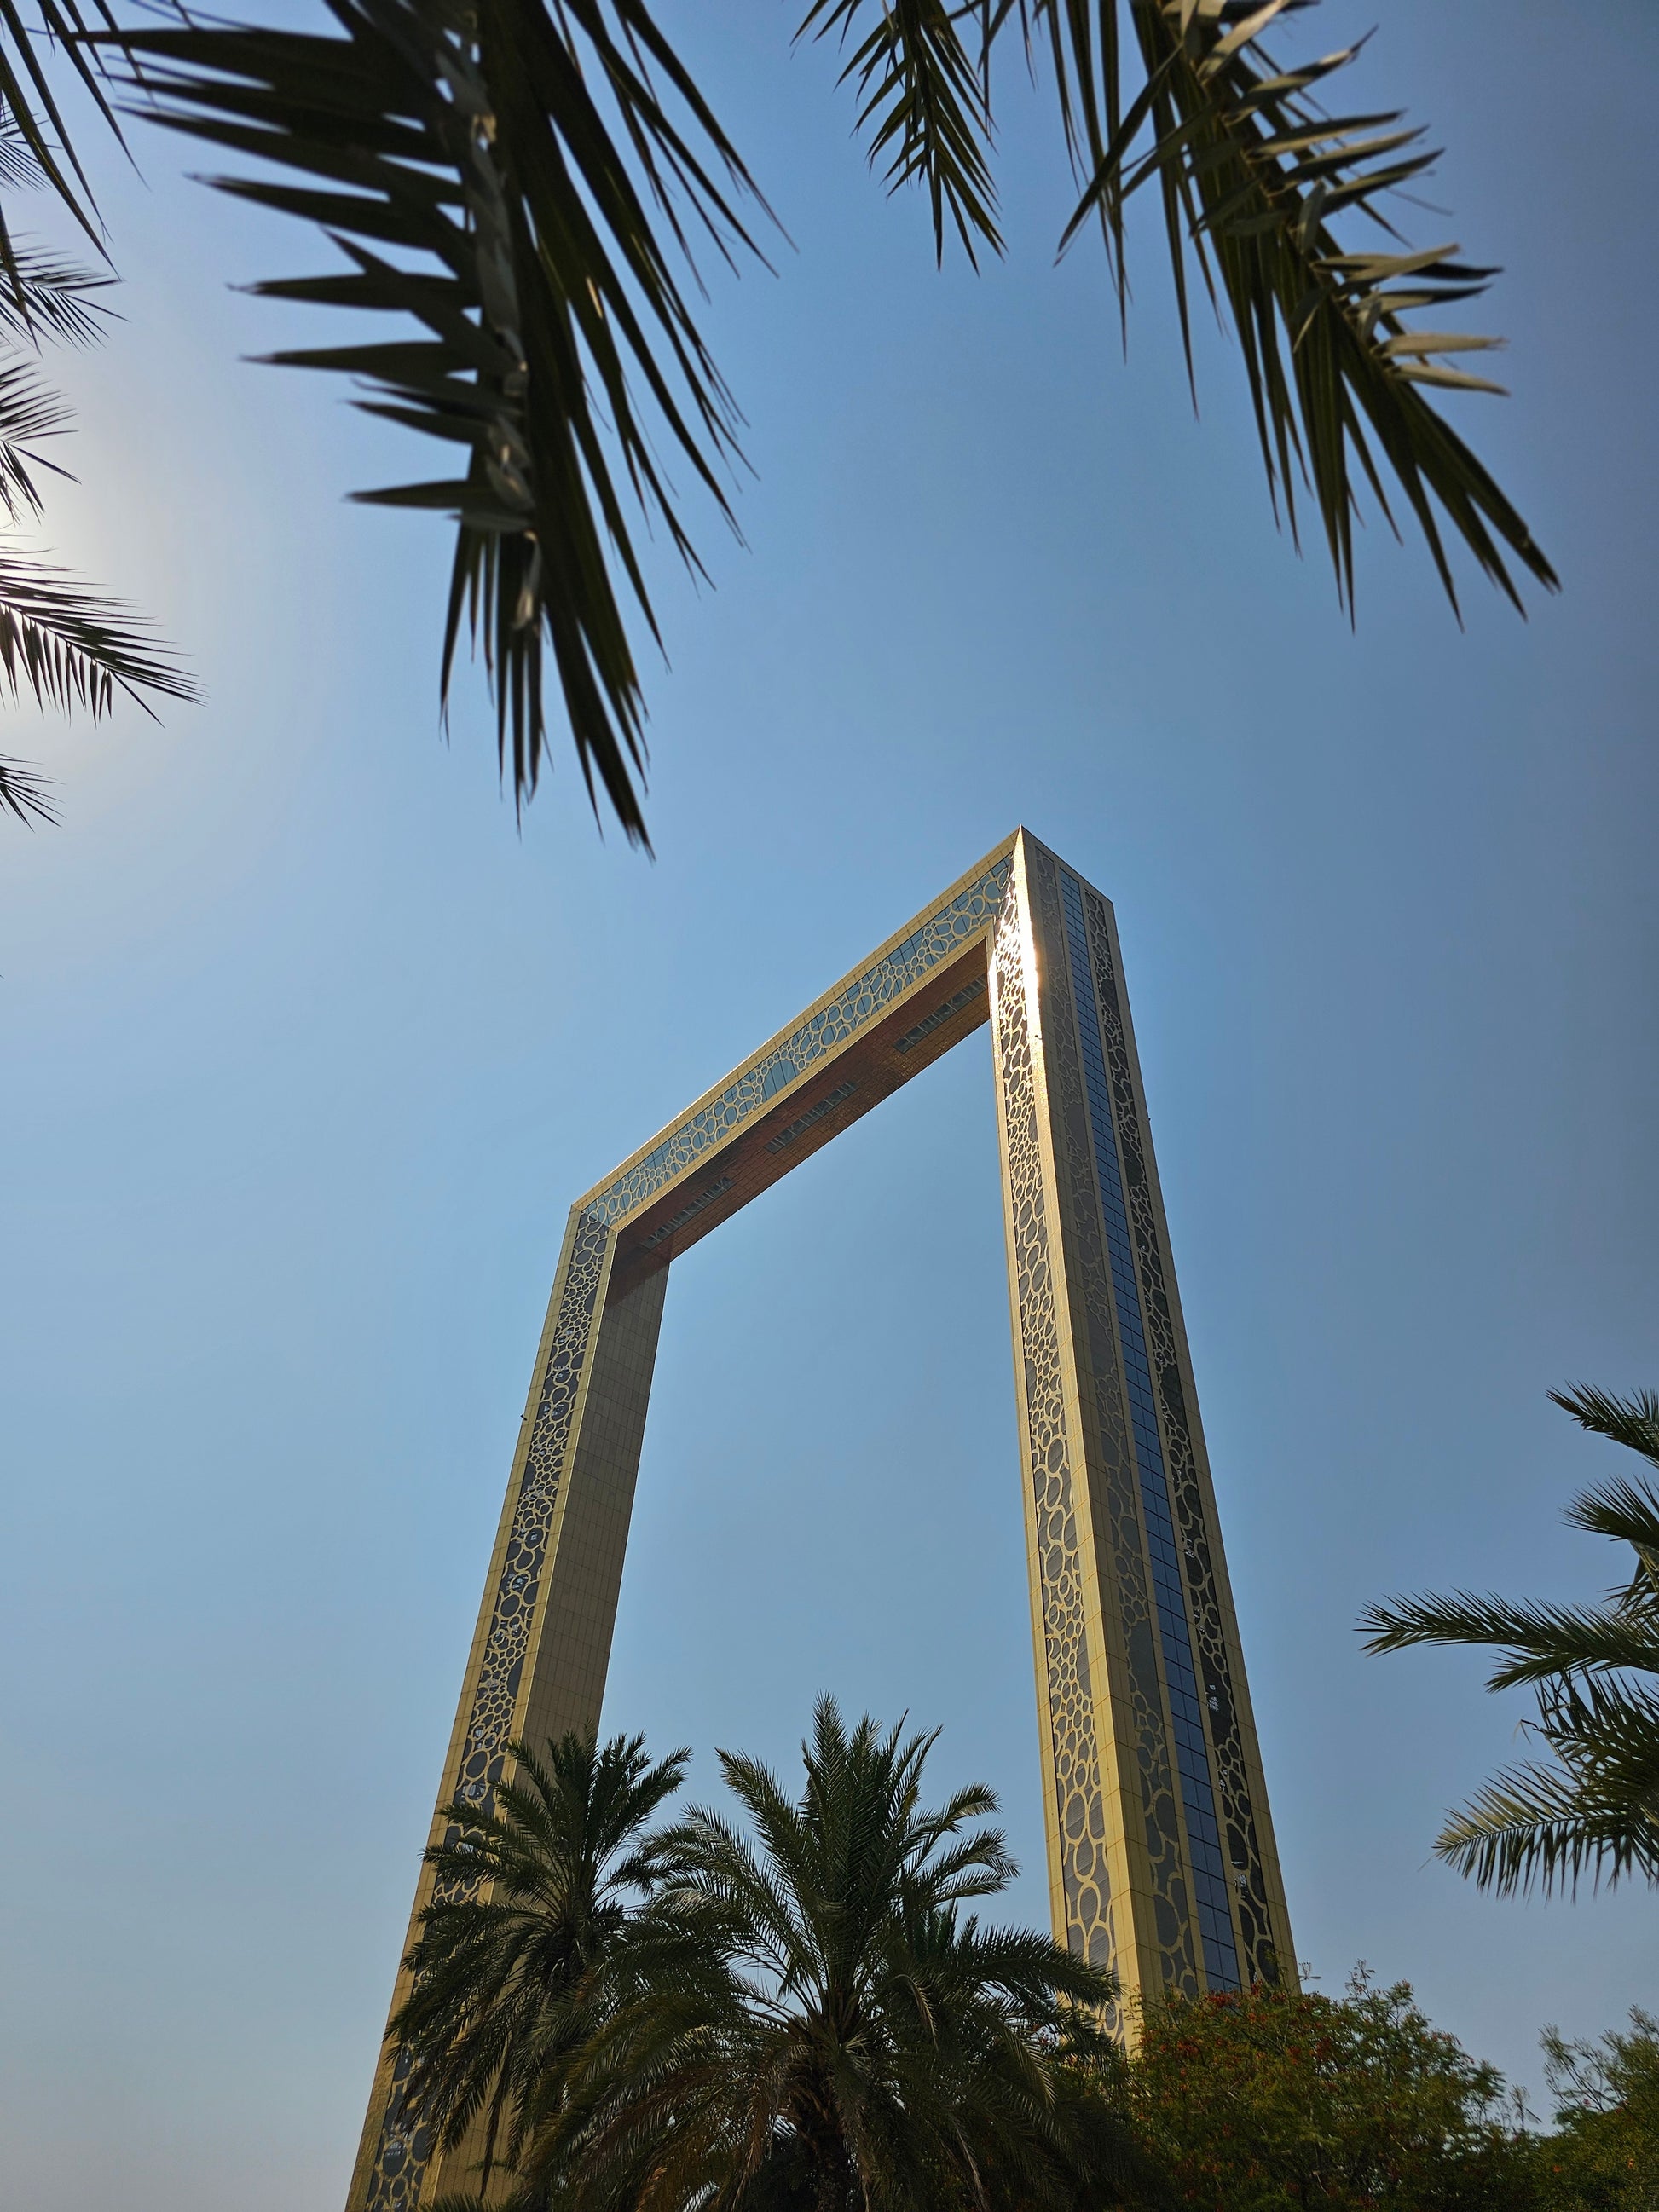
(1274, 2100)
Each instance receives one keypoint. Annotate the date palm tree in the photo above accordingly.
(535, 1892)
(1592, 1804)
(816, 2023)
(519, 185)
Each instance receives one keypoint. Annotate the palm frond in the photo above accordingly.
(1538, 1640)
(925, 105)
(1253, 176)
(28, 410)
(72, 646)
(1254, 180)
(37, 145)
(53, 297)
(23, 792)
(534, 166)
(1548, 1826)
(1595, 1671)
(19, 170)
(1632, 1420)
(1627, 1511)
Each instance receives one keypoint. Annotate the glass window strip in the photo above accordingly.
(1175, 1638)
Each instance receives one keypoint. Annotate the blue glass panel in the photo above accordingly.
(1175, 1638)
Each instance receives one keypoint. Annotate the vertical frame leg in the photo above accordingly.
(1161, 1862)
(543, 1642)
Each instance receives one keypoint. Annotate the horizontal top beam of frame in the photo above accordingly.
(916, 996)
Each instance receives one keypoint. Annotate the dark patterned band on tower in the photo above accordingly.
(1259, 1958)
(1119, 1509)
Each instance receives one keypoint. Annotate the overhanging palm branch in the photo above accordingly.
(1594, 1805)
(72, 646)
(57, 300)
(535, 166)
(53, 299)
(24, 791)
(927, 106)
(519, 179)
(28, 412)
(66, 643)
(35, 145)
(1633, 1421)
(1254, 176)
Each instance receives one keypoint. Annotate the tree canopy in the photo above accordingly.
(1280, 2099)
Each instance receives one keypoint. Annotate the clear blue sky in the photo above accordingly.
(307, 1050)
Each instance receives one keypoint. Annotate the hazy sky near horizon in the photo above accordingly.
(308, 1049)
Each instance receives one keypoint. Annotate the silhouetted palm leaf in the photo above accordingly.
(1633, 1421)
(1595, 1808)
(56, 300)
(34, 140)
(517, 178)
(64, 642)
(1538, 1641)
(1253, 176)
(28, 410)
(23, 792)
(512, 155)
(927, 107)
(71, 646)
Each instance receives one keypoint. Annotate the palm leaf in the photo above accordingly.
(1254, 179)
(1632, 1421)
(53, 299)
(71, 646)
(1538, 1641)
(28, 412)
(516, 181)
(1596, 1811)
(34, 140)
(23, 792)
(1595, 1671)
(816, 2023)
(926, 105)
(528, 1906)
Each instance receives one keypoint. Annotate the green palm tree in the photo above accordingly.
(815, 2025)
(520, 184)
(1592, 1805)
(535, 1892)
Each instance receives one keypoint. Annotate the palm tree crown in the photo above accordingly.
(1593, 1805)
(831, 2032)
(533, 1896)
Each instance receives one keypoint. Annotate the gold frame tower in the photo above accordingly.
(1161, 1855)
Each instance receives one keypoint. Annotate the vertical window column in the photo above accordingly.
(1192, 1752)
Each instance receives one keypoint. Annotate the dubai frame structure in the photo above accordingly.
(1161, 1856)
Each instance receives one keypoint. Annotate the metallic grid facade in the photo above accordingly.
(1161, 1858)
